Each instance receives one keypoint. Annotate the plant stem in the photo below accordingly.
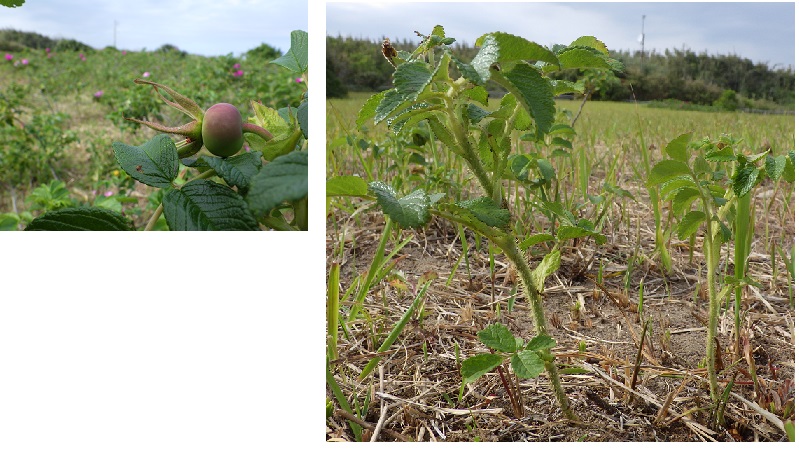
(154, 217)
(537, 306)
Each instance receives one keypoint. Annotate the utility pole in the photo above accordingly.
(642, 42)
(115, 34)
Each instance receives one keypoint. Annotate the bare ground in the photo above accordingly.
(414, 393)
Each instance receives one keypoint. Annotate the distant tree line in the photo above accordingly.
(358, 65)
(15, 41)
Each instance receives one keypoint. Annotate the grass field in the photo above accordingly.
(418, 394)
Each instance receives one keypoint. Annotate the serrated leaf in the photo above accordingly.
(469, 73)
(541, 342)
(347, 185)
(500, 47)
(579, 58)
(716, 155)
(533, 91)
(549, 264)
(677, 148)
(81, 218)
(476, 366)
(285, 179)
(666, 170)
(411, 211)
(487, 211)
(369, 108)
(683, 200)
(527, 364)
(592, 42)
(410, 79)
(744, 178)
(568, 232)
(775, 166)
(497, 337)
(206, 205)
(690, 224)
(389, 103)
(236, 170)
(296, 59)
(154, 163)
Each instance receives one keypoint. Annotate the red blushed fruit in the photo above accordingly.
(222, 133)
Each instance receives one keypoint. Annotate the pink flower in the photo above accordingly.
(145, 75)
(82, 58)
(108, 193)
(124, 52)
(238, 73)
(47, 50)
(298, 80)
(9, 57)
(98, 94)
(24, 62)
(237, 66)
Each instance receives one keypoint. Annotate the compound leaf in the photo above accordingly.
(236, 170)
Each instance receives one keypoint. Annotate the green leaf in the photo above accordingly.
(684, 199)
(592, 42)
(409, 212)
(579, 58)
(296, 59)
(535, 239)
(9, 221)
(677, 148)
(154, 163)
(549, 264)
(501, 47)
(369, 108)
(716, 155)
(744, 178)
(775, 166)
(533, 91)
(410, 79)
(527, 364)
(81, 218)
(790, 168)
(666, 170)
(236, 170)
(541, 342)
(690, 224)
(206, 205)
(302, 117)
(498, 337)
(285, 179)
(347, 185)
(389, 103)
(487, 211)
(12, 3)
(469, 73)
(476, 366)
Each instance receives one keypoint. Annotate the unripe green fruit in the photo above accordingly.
(222, 134)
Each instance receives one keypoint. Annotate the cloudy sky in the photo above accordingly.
(205, 27)
(762, 32)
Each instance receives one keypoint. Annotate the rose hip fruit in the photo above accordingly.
(222, 130)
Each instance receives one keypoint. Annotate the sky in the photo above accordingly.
(204, 27)
(761, 32)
